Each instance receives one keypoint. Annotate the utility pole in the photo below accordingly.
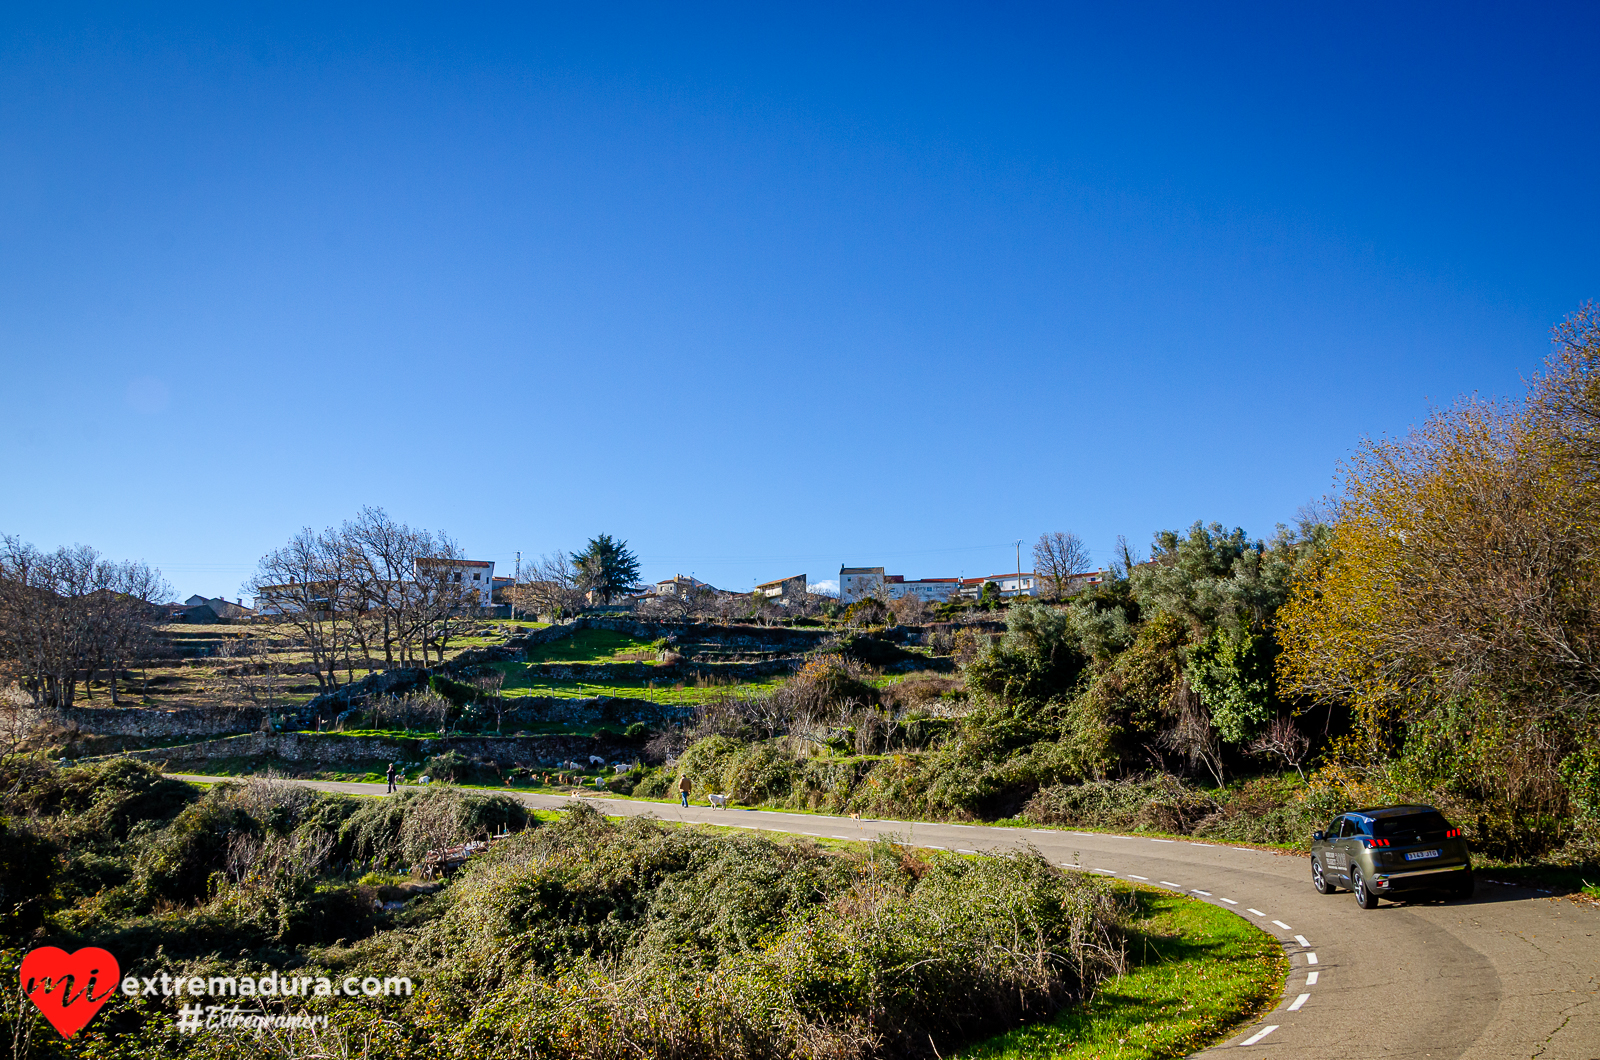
(516, 583)
(1019, 567)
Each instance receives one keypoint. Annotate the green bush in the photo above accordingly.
(395, 833)
(596, 939)
(455, 691)
(27, 876)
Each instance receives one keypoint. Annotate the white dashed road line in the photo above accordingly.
(1281, 924)
(1311, 978)
(1301, 939)
(1299, 1001)
(1131, 876)
(1257, 912)
(1230, 901)
(1169, 883)
(1311, 958)
(1258, 1035)
(1197, 890)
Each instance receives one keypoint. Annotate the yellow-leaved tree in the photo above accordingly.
(1457, 612)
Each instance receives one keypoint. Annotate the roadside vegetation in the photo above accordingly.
(1193, 973)
(577, 937)
(1430, 634)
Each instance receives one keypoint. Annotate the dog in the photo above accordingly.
(855, 817)
(718, 802)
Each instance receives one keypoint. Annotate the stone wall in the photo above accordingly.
(600, 710)
(384, 683)
(668, 674)
(313, 750)
(155, 724)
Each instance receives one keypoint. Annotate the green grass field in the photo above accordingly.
(520, 681)
(1195, 972)
(592, 646)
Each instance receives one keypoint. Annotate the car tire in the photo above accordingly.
(1364, 898)
(1318, 880)
(1463, 887)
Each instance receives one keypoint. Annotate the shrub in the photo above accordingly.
(395, 833)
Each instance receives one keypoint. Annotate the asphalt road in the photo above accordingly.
(1506, 975)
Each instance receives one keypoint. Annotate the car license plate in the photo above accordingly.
(1418, 855)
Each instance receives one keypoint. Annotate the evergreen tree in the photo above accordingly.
(606, 567)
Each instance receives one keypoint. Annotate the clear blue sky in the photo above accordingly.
(762, 290)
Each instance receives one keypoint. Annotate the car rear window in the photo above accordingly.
(1410, 824)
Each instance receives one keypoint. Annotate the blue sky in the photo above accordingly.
(762, 289)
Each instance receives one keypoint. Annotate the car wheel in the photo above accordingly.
(1318, 880)
(1364, 898)
(1463, 887)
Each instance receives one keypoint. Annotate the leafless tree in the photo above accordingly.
(69, 612)
(1192, 734)
(491, 682)
(1058, 558)
(443, 596)
(553, 587)
(909, 610)
(17, 720)
(305, 583)
(1283, 739)
(384, 602)
(681, 604)
(1127, 558)
(252, 671)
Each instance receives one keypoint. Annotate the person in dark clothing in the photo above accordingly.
(683, 790)
(391, 777)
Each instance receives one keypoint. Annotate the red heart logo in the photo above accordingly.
(64, 985)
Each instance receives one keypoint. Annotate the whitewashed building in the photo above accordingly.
(858, 583)
(474, 575)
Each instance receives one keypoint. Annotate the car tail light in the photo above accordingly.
(1375, 843)
(1454, 833)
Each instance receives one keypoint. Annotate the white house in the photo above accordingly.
(1029, 583)
(476, 575)
(857, 583)
(929, 590)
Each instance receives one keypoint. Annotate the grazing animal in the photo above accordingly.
(596, 760)
(855, 817)
(718, 802)
(424, 780)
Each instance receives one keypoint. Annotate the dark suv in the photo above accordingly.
(1376, 853)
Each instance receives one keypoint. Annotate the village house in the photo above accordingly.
(858, 583)
(784, 591)
(1029, 583)
(470, 575)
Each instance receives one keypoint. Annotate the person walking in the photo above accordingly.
(683, 790)
(391, 779)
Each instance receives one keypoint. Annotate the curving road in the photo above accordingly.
(1507, 975)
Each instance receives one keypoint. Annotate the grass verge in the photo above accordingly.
(1195, 972)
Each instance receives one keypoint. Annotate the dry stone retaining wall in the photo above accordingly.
(331, 749)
